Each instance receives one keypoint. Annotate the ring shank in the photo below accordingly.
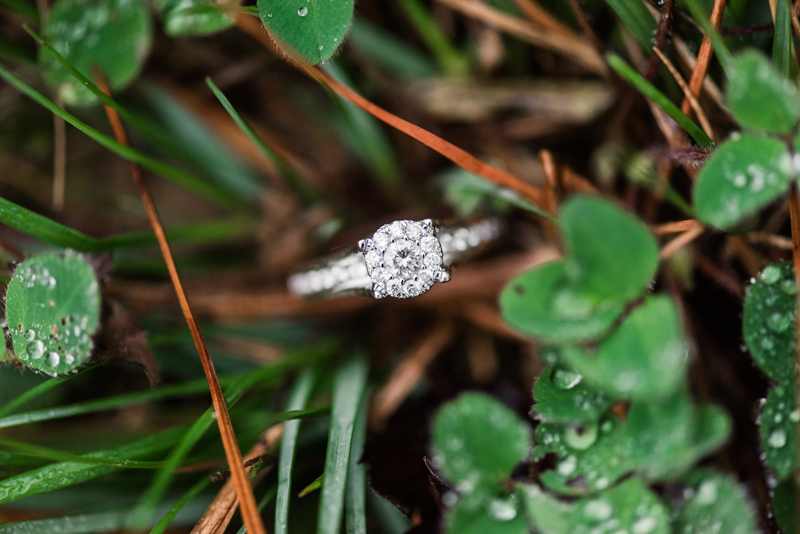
(346, 273)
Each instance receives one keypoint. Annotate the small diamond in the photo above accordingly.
(412, 289)
(430, 244)
(414, 232)
(380, 240)
(433, 259)
(373, 259)
(394, 288)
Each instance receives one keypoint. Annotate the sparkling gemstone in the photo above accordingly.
(373, 258)
(430, 244)
(405, 261)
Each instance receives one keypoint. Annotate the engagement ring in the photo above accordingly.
(402, 259)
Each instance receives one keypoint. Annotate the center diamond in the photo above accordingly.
(404, 259)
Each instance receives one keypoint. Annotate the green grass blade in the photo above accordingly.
(63, 474)
(782, 39)
(35, 392)
(79, 524)
(195, 387)
(49, 231)
(185, 499)
(367, 138)
(204, 189)
(700, 16)
(285, 170)
(356, 491)
(648, 90)
(147, 505)
(297, 400)
(451, 61)
(391, 53)
(50, 454)
(348, 389)
(637, 18)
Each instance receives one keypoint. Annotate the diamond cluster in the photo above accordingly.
(404, 259)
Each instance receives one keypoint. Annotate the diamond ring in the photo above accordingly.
(402, 259)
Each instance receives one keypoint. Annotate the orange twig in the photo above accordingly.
(244, 491)
(538, 15)
(674, 227)
(681, 241)
(550, 200)
(703, 58)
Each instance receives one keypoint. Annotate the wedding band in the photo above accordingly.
(402, 259)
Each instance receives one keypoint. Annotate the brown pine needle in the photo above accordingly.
(674, 227)
(703, 58)
(244, 491)
(701, 115)
(681, 241)
(407, 374)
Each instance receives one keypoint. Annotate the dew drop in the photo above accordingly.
(564, 379)
(777, 439)
(35, 350)
(789, 287)
(706, 493)
(30, 335)
(567, 466)
(303, 11)
(70, 359)
(598, 510)
(770, 274)
(779, 322)
(767, 344)
(55, 359)
(503, 509)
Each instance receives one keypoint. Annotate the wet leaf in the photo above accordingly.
(477, 441)
(188, 17)
(498, 516)
(744, 174)
(784, 505)
(778, 430)
(611, 253)
(562, 396)
(627, 507)
(658, 441)
(713, 502)
(112, 34)
(548, 514)
(645, 358)
(310, 29)
(759, 97)
(53, 309)
(542, 303)
(768, 321)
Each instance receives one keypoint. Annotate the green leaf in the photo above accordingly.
(195, 17)
(312, 29)
(658, 441)
(541, 303)
(498, 516)
(562, 396)
(389, 52)
(165, 520)
(53, 307)
(477, 441)
(658, 98)
(629, 507)
(701, 17)
(759, 97)
(548, 514)
(297, 400)
(348, 388)
(645, 358)
(76, 524)
(611, 253)
(744, 174)
(112, 34)
(784, 505)
(768, 321)
(777, 427)
(713, 502)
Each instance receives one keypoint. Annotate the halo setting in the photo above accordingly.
(404, 259)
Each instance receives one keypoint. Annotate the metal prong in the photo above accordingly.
(377, 295)
(443, 275)
(362, 244)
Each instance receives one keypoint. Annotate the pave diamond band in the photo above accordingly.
(402, 259)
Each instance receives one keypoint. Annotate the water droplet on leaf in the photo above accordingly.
(303, 11)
